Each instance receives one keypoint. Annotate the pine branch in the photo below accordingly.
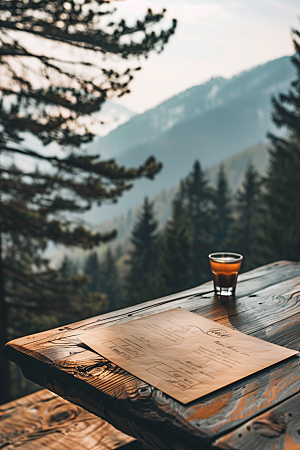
(61, 26)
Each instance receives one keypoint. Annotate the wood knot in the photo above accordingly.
(62, 414)
(270, 427)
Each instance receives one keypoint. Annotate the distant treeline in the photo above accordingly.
(161, 262)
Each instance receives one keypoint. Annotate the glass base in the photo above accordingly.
(225, 291)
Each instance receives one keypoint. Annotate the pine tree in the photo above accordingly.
(242, 234)
(140, 284)
(46, 92)
(63, 289)
(175, 262)
(109, 281)
(222, 210)
(92, 269)
(198, 198)
(279, 236)
(103, 278)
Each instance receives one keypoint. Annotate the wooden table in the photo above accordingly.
(259, 412)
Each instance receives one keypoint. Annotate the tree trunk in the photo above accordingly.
(4, 363)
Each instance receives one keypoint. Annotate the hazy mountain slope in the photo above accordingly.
(211, 137)
(209, 122)
(147, 127)
(236, 165)
(268, 78)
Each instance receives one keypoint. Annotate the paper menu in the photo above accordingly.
(183, 354)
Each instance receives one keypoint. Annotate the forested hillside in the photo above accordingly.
(235, 168)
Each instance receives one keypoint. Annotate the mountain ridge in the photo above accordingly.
(209, 122)
(213, 93)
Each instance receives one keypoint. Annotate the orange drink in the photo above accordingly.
(225, 267)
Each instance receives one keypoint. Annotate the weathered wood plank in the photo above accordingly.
(199, 297)
(263, 308)
(278, 428)
(43, 420)
(202, 303)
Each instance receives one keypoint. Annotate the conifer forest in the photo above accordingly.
(44, 195)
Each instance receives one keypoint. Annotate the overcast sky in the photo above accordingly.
(218, 38)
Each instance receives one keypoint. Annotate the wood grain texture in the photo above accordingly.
(278, 428)
(43, 421)
(267, 306)
(248, 284)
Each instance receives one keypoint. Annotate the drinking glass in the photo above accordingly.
(225, 267)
